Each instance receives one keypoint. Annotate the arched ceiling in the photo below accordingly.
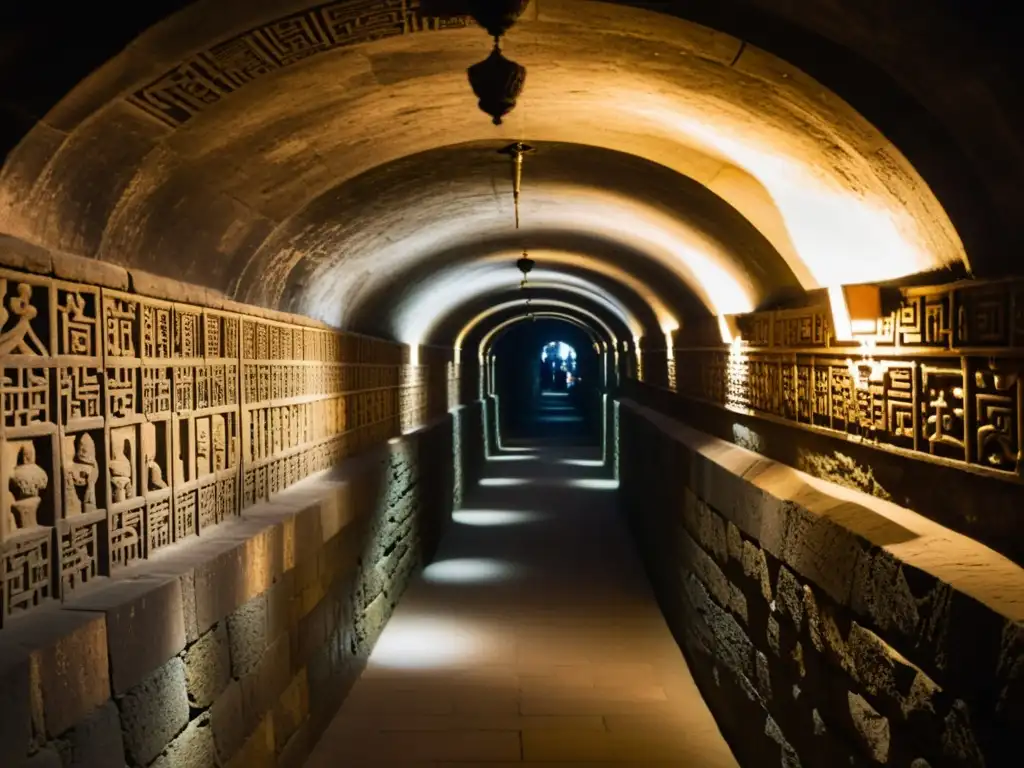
(679, 169)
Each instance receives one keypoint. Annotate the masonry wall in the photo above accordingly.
(824, 628)
(236, 652)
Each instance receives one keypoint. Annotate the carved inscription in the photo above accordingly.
(130, 424)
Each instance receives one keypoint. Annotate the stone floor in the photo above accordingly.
(533, 638)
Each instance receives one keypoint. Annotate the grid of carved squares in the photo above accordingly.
(122, 417)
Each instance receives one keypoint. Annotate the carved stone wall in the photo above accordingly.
(938, 377)
(131, 423)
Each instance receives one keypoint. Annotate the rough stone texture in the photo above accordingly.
(193, 748)
(145, 626)
(247, 632)
(227, 722)
(872, 727)
(850, 653)
(70, 676)
(96, 742)
(153, 712)
(207, 667)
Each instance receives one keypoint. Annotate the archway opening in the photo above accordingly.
(559, 368)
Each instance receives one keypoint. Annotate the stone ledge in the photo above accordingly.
(61, 664)
(967, 566)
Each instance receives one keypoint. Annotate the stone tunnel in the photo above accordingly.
(672, 418)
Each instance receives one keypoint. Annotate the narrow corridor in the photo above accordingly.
(534, 637)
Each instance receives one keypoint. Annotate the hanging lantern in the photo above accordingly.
(497, 16)
(497, 83)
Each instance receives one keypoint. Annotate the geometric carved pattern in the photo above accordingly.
(940, 381)
(209, 76)
(123, 423)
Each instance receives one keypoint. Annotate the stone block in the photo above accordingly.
(292, 709)
(959, 744)
(247, 635)
(145, 626)
(96, 742)
(881, 593)
(193, 748)
(154, 712)
(265, 684)
(70, 667)
(227, 721)
(15, 703)
(295, 751)
(258, 750)
(790, 597)
(207, 667)
(872, 728)
(279, 606)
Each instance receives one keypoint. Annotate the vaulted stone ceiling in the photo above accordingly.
(316, 159)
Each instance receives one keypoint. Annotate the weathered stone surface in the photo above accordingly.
(292, 709)
(193, 748)
(958, 741)
(70, 673)
(872, 727)
(790, 596)
(262, 687)
(15, 704)
(789, 758)
(154, 712)
(755, 565)
(764, 676)
(881, 592)
(731, 643)
(772, 634)
(247, 632)
(207, 667)
(258, 750)
(145, 626)
(227, 720)
(96, 742)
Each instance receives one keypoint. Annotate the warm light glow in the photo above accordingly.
(594, 483)
(842, 328)
(582, 462)
(494, 517)
(836, 235)
(414, 354)
(503, 482)
(468, 571)
(411, 642)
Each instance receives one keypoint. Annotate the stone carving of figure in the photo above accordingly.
(202, 449)
(154, 475)
(219, 446)
(80, 477)
(28, 480)
(120, 472)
